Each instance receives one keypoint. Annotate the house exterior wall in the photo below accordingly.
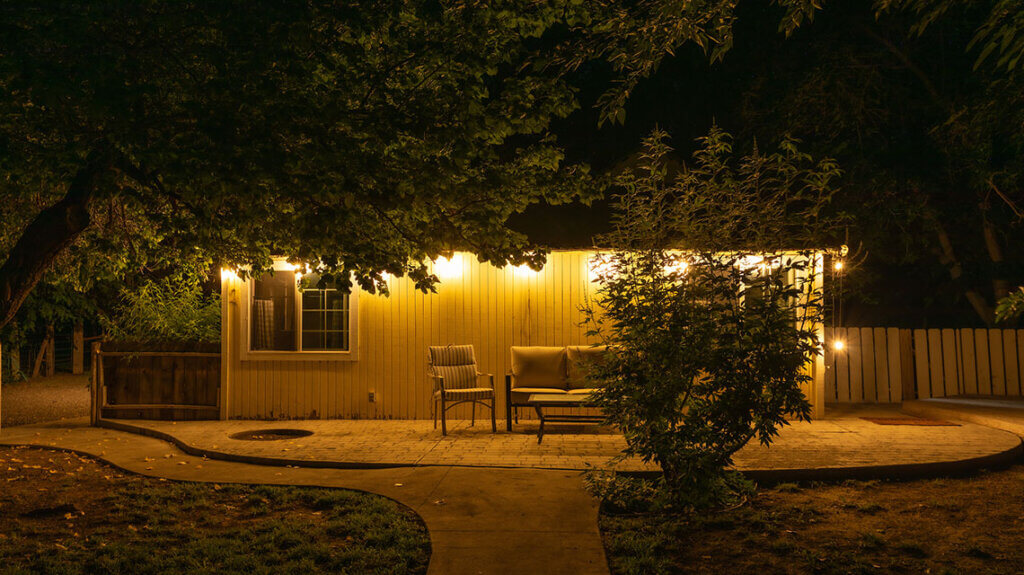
(491, 308)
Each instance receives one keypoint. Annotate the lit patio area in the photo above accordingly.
(843, 445)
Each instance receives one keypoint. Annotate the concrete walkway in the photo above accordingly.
(519, 513)
(481, 521)
(1000, 413)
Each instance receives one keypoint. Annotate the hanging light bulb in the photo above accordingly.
(838, 345)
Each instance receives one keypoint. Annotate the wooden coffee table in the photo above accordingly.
(564, 400)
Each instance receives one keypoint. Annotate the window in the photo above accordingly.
(324, 317)
(292, 312)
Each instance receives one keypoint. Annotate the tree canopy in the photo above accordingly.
(368, 137)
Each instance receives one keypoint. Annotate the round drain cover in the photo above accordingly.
(270, 434)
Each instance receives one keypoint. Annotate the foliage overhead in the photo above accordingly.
(364, 137)
(709, 340)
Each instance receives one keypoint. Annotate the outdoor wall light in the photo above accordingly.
(838, 345)
(838, 266)
(448, 267)
(227, 274)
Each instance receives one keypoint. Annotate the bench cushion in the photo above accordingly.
(538, 367)
(580, 358)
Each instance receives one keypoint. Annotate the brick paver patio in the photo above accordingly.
(845, 441)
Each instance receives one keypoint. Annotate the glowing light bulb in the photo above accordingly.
(838, 345)
(838, 266)
(448, 267)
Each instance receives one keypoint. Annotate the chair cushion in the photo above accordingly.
(580, 359)
(451, 355)
(521, 394)
(538, 367)
(467, 393)
(457, 376)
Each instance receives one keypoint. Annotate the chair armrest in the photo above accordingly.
(508, 387)
(487, 375)
(438, 382)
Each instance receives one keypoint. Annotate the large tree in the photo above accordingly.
(365, 136)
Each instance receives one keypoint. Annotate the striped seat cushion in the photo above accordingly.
(468, 393)
(457, 376)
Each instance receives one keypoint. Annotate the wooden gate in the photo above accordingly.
(140, 382)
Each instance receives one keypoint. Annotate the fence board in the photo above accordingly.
(938, 382)
(984, 362)
(1011, 359)
(853, 348)
(969, 353)
(950, 363)
(892, 341)
(995, 350)
(843, 369)
(867, 353)
(923, 385)
(881, 366)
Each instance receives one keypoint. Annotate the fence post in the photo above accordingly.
(97, 383)
(78, 349)
(1, 385)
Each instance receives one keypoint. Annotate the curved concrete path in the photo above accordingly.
(481, 521)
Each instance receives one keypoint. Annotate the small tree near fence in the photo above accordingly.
(709, 345)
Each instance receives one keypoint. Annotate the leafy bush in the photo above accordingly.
(711, 346)
(171, 309)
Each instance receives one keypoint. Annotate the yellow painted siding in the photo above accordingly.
(493, 309)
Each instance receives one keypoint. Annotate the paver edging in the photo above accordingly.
(899, 471)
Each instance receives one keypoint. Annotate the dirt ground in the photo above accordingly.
(958, 525)
(63, 396)
(68, 514)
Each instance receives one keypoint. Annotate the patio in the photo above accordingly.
(840, 446)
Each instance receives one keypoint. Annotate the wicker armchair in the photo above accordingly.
(452, 369)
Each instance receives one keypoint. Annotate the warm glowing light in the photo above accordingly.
(227, 274)
(838, 266)
(448, 267)
(838, 345)
(599, 267)
(524, 269)
(677, 267)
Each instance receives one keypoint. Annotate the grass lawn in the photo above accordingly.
(62, 513)
(966, 525)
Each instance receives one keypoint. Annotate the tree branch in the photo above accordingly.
(52, 230)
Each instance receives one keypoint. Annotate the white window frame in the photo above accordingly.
(245, 341)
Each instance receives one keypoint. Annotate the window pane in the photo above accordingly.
(336, 320)
(337, 340)
(312, 299)
(312, 341)
(312, 320)
(273, 312)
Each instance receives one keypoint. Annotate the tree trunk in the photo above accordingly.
(949, 259)
(1000, 285)
(52, 230)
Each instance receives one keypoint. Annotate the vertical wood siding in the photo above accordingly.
(491, 308)
(883, 365)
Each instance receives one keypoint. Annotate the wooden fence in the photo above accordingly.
(886, 365)
(139, 383)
